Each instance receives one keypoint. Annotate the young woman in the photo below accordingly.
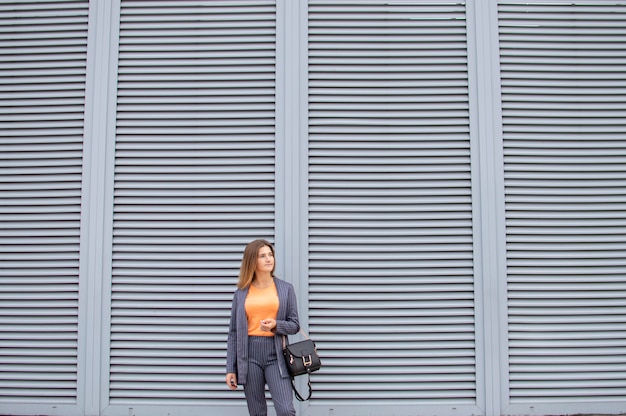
(264, 309)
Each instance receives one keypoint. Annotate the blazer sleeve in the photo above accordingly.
(231, 345)
(291, 323)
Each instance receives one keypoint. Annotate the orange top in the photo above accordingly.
(261, 304)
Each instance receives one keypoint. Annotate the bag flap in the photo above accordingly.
(302, 348)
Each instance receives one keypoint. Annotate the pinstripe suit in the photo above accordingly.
(258, 361)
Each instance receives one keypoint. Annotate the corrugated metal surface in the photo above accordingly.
(42, 85)
(391, 259)
(392, 277)
(564, 108)
(194, 182)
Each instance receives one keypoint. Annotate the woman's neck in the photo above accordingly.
(262, 281)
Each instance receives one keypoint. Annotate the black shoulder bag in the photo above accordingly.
(301, 358)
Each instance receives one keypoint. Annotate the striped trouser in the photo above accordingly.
(262, 369)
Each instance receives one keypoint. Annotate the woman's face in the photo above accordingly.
(265, 260)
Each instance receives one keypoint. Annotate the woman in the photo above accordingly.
(264, 309)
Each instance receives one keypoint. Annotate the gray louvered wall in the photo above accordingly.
(458, 241)
(42, 88)
(194, 182)
(390, 217)
(564, 123)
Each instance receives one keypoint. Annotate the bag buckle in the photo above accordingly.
(307, 361)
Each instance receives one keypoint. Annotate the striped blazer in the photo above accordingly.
(287, 323)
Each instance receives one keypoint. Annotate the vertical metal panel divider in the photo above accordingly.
(291, 154)
(488, 206)
(97, 200)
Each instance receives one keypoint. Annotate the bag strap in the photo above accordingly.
(293, 381)
(295, 390)
(285, 338)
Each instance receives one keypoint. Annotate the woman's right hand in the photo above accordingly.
(231, 381)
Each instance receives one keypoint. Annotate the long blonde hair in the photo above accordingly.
(249, 262)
